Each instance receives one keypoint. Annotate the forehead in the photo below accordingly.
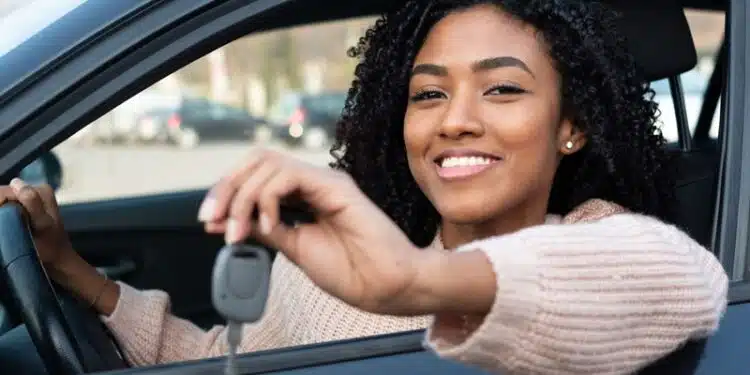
(477, 33)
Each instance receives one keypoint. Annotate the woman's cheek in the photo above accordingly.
(521, 124)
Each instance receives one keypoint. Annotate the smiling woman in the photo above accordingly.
(545, 104)
(495, 110)
(498, 179)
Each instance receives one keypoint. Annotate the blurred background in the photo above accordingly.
(283, 89)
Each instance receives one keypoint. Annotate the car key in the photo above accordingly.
(241, 277)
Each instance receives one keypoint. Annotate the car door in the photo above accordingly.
(724, 353)
(132, 210)
(243, 123)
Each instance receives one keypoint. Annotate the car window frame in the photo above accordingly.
(731, 231)
(71, 33)
(296, 359)
(122, 62)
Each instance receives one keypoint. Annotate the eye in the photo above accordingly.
(505, 89)
(426, 95)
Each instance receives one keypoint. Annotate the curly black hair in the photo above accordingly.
(603, 93)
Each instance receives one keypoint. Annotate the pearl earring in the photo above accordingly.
(569, 145)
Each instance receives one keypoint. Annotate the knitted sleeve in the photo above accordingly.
(603, 297)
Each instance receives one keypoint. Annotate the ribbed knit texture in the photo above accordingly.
(601, 291)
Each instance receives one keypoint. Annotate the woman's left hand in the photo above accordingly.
(353, 250)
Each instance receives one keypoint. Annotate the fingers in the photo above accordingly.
(282, 238)
(272, 231)
(275, 189)
(262, 184)
(221, 201)
(215, 228)
(47, 193)
(215, 207)
(33, 202)
(7, 195)
(244, 202)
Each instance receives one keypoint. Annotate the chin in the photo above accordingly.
(466, 213)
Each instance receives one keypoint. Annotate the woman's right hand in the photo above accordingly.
(40, 206)
(55, 250)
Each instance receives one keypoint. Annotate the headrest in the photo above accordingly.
(658, 36)
(657, 31)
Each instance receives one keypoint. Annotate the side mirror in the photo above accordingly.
(46, 169)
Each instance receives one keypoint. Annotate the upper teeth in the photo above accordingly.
(462, 161)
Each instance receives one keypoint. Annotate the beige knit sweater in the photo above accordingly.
(600, 291)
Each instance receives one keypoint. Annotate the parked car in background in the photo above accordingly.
(194, 120)
(118, 125)
(306, 119)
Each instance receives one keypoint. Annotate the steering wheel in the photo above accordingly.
(69, 337)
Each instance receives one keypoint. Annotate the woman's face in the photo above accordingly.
(482, 129)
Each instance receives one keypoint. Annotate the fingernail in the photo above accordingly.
(265, 224)
(207, 209)
(232, 232)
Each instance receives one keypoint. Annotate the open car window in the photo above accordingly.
(251, 90)
(707, 28)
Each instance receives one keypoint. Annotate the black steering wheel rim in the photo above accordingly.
(68, 336)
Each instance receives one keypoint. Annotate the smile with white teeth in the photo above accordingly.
(464, 161)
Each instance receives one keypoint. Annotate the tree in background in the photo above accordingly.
(276, 59)
(259, 67)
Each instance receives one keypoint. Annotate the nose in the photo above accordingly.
(461, 118)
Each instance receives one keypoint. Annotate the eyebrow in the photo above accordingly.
(481, 65)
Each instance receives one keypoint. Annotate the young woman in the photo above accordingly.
(516, 133)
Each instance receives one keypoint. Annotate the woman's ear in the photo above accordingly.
(570, 139)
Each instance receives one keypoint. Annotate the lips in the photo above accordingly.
(461, 163)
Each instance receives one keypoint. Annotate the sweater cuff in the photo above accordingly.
(136, 322)
(481, 340)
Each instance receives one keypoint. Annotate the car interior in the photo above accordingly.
(131, 239)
